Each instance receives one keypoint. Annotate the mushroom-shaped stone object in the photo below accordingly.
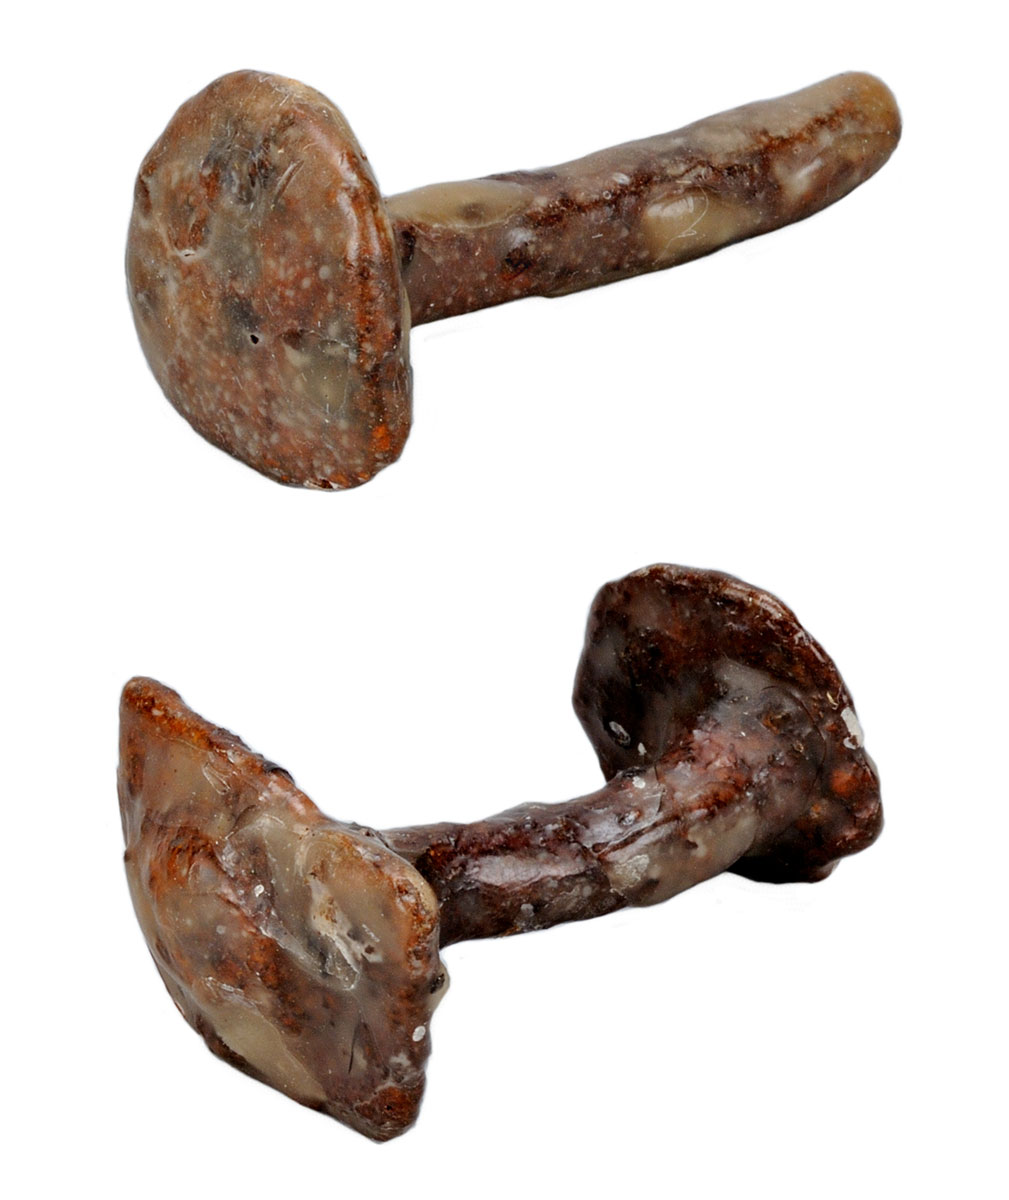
(305, 950)
(273, 290)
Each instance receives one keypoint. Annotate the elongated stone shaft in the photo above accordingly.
(642, 206)
(734, 785)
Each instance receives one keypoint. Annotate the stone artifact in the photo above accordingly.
(273, 290)
(305, 950)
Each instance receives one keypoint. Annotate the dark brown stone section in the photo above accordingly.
(653, 648)
(729, 740)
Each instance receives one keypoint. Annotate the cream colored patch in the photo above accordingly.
(470, 205)
(620, 733)
(856, 737)
(690, 223)
(627, 875)
(321, 374)
(796, 181)
(261, 1044)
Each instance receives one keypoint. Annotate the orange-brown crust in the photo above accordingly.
(303, 950)
(265, 284)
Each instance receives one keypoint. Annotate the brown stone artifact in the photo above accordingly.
(305, 950)
(273, 290)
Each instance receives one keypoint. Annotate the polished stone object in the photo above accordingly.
(302, 949)
(729, 742)
(265, 283)
(305, 950)
(273, 290)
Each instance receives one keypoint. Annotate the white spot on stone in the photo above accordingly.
(325, 271)
(798, 182)
(418, 1033)
(620, 177)
(857, 737)
(220, 929)
(299, 359)
(641, 749)
(639, 781)
(620, 733)
(258, 890)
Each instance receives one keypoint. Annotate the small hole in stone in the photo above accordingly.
(254, 339)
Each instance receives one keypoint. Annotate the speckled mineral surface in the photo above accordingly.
(305, 950)
(302, 949)
(273, 290)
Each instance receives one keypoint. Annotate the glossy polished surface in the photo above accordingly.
(273, 290)
(305, 950)
(265, 286)
(729, 741)
(301, 948)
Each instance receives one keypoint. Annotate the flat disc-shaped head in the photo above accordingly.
(656, 650)
(302, 949)
(265, 283)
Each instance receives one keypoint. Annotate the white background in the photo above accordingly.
(818, 411)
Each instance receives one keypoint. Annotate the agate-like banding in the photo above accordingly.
(265, 284)
(302, 949)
